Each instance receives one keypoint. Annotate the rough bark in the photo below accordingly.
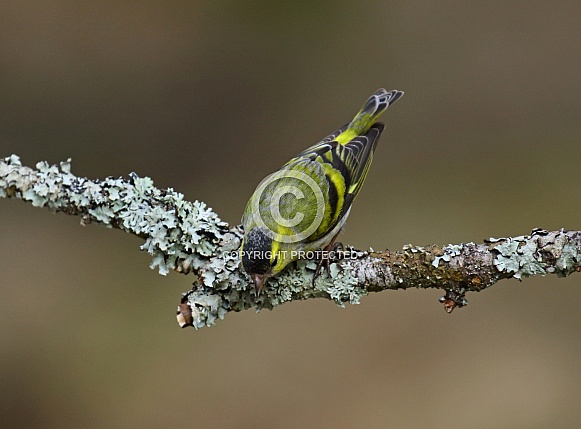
(191, 239)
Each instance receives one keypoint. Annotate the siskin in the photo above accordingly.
(303, 206)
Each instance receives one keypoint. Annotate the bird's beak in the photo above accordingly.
(258, 282)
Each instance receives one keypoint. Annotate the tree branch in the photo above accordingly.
(190, 238)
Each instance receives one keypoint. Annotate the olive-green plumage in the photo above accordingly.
(304, 205)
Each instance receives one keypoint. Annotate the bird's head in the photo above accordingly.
(261, 257)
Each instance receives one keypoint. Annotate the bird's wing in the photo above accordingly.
(344, 167)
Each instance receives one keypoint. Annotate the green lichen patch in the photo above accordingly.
(539, 253)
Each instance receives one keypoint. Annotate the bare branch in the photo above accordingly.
(190, 238)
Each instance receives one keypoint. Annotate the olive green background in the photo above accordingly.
(208, 98)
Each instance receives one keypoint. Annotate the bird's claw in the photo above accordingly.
(326, 259)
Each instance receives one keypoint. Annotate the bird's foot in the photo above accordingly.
(328, 255)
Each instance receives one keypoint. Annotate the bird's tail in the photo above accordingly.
(372, 109)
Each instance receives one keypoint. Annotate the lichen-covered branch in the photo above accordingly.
(190, 238)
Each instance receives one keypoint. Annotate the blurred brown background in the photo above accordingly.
(208, 97)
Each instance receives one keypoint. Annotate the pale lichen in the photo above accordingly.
(537, 254)
(450, 251)
(190, 238)
(175, 231)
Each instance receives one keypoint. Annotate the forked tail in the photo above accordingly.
(373, 108)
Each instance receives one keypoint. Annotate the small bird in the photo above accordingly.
(302, 207)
